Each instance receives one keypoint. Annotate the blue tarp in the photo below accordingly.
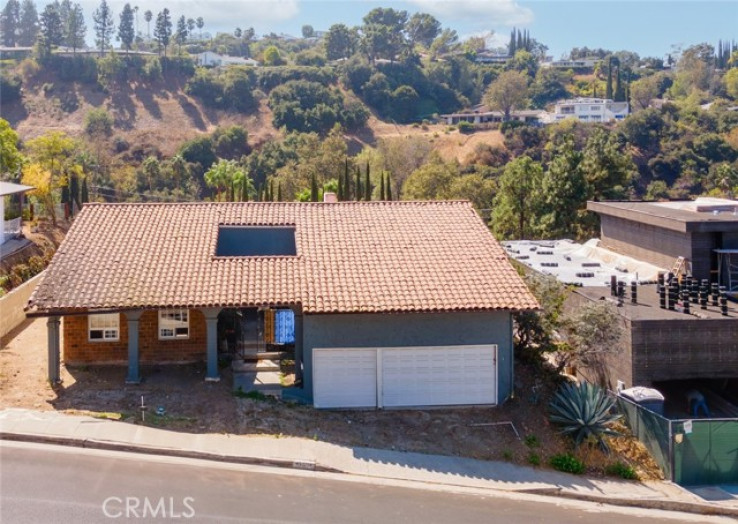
(284, 327)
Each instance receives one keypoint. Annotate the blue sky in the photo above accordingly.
(649, 27)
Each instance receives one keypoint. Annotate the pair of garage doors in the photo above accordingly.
(391, 377)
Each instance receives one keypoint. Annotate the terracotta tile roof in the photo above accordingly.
(351, 257)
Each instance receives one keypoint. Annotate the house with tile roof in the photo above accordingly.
(392, 303)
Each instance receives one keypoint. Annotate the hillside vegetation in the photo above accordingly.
(355, 111)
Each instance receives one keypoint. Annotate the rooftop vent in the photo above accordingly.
(330, 198)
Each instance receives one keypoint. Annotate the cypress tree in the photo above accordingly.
(279, 191)
(367, 185)
(271, 190)
(511, 45)
(381, 188)
(519, 44)
(85, 192)
(618, 87)
(347, 182)
(258, 193)
(357, 188)
(608, 88)
(313, 188)
(389, 188)
(340, 188)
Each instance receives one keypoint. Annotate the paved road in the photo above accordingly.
(41, 483)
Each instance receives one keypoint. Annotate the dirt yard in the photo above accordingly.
(192, 405)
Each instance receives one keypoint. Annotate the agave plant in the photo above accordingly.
(584, 411)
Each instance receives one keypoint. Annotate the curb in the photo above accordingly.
(166, 452)
(664, 505)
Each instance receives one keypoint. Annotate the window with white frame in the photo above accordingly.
(174, 323)
(104, 327)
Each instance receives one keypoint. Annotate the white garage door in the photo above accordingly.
(439, 376)
(344, 378)
(404, 376)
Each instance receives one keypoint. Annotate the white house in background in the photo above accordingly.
(573, 64)
(481, 114)
(211, 59)
(12, 227)
(587, 110)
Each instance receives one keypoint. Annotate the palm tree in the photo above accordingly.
(148, 15)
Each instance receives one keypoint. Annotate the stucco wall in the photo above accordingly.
(12, 304)
(78, 349)
(411, 329)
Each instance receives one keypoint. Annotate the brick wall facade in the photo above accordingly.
(78, 349)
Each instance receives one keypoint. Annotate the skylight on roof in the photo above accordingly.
(255, 241)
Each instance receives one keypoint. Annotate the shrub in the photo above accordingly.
(29, 68)
(19, 273)
(36, 264)
(567, 463)
(466, 127)
(98, 122)
(584, 411)
(10, 87)
(532, 441)
(120, 144)
(621, 470)
(4, 283)
(152, 70)
(534, 459)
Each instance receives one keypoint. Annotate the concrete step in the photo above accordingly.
(265, 382)
(266, 355)
(241, 366)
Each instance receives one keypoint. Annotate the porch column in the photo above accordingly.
(211, 322)
(52, 329)
(298, 345)
(132, 319)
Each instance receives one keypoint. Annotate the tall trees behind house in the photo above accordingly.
(27, 24)
(103, 19)
(163, 30)
(126, 29)
(9, 22)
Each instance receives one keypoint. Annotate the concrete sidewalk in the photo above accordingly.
(83, 431)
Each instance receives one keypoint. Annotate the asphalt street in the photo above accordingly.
(43, 483)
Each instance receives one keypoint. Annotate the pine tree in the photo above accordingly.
(9, 20)
(103, 18)
(389, 187)
(51, 34)
(381, 188)
(367, 185)
(76, 30)
(163, 29)
(181, 35)
(27, 24)
(313, 188)
(126, 30)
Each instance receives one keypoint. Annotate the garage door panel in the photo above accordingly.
(451, 375)
(344, 378)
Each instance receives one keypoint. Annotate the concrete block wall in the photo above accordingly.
(645, 242)
(689, 349)
(78, 349)
(12, 304)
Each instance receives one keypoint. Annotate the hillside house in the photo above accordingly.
(598, 110)
(394, 303)
(212, 59)
(11, 206)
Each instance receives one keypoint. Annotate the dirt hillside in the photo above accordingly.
(163, 115)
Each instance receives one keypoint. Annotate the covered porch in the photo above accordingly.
(157, 336)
